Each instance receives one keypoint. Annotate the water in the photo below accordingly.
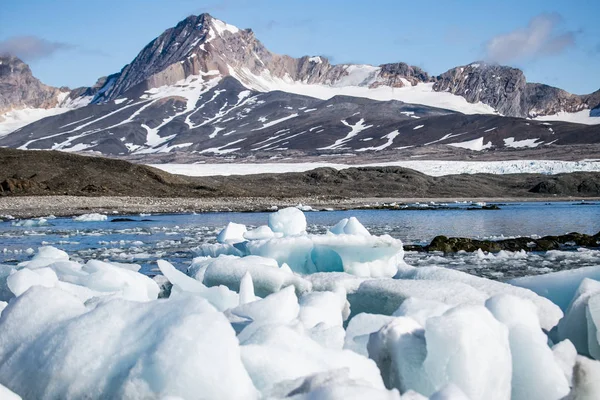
(173, 236)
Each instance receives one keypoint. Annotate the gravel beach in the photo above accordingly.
(37, 206)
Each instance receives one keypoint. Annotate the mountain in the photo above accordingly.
(205, 86)
(507, 91)
(23, 98)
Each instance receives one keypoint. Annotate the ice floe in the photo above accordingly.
(275, 312)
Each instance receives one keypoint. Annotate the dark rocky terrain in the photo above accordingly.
(55, 173)
(20, 89)
(546, 243)
(230, 119)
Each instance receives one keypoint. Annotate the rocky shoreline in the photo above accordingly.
(455, 244)
(62, 206)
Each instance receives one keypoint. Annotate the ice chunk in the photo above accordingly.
(93, 217)
(420, 310)
(289, 221)
(6, 394)
(279, 308)
(385, 296)
(368, 256)
(28, 223)
(178, 347)
(23, 279)
(349, 226)
(412, 395)
(331, 281)
(276, 353)
(450, 392)
(262, 232)
(565, 356)
(559, 287)
(329, 385)
(529, 349)
(45, 256)
(548, 312)
(593, 326)
(3, 305)
(399, 350)
(5, 292)
(468, 347)
(586, 380)
(217, 249)
(266, 275)
(328, 308)
(219, 296)
(574, 326)
(232, 233)
(247, 289)
(360, 328)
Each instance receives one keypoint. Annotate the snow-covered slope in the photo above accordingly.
(210, 115)
(208, 87)
(429, 167)
(24, 99)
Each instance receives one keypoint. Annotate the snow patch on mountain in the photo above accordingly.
(356, 84)
(581, 117)
(475, 144)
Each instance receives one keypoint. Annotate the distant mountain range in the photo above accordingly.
(208, 87)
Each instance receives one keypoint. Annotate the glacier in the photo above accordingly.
(276, 312)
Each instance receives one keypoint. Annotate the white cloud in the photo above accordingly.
(31, 48)
(540, 38)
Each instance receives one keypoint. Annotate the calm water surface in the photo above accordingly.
(173, 236)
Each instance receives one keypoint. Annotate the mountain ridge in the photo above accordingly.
(178, 94)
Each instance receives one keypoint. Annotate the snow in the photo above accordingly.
(475, 144)
(579, 117)
(429, 167)
(390, 141)
(356, 83)
(93, 217)
(316, 60)
(418, 127)
(516, 144)
(221, 27)
(16, 119)
(354, 130)
(275, 122)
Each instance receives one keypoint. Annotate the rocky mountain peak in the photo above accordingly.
(156, 65)
(501, 87)
(20, 89)
(506, 90)
(400, 74)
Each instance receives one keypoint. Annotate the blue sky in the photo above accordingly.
(73, 42)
